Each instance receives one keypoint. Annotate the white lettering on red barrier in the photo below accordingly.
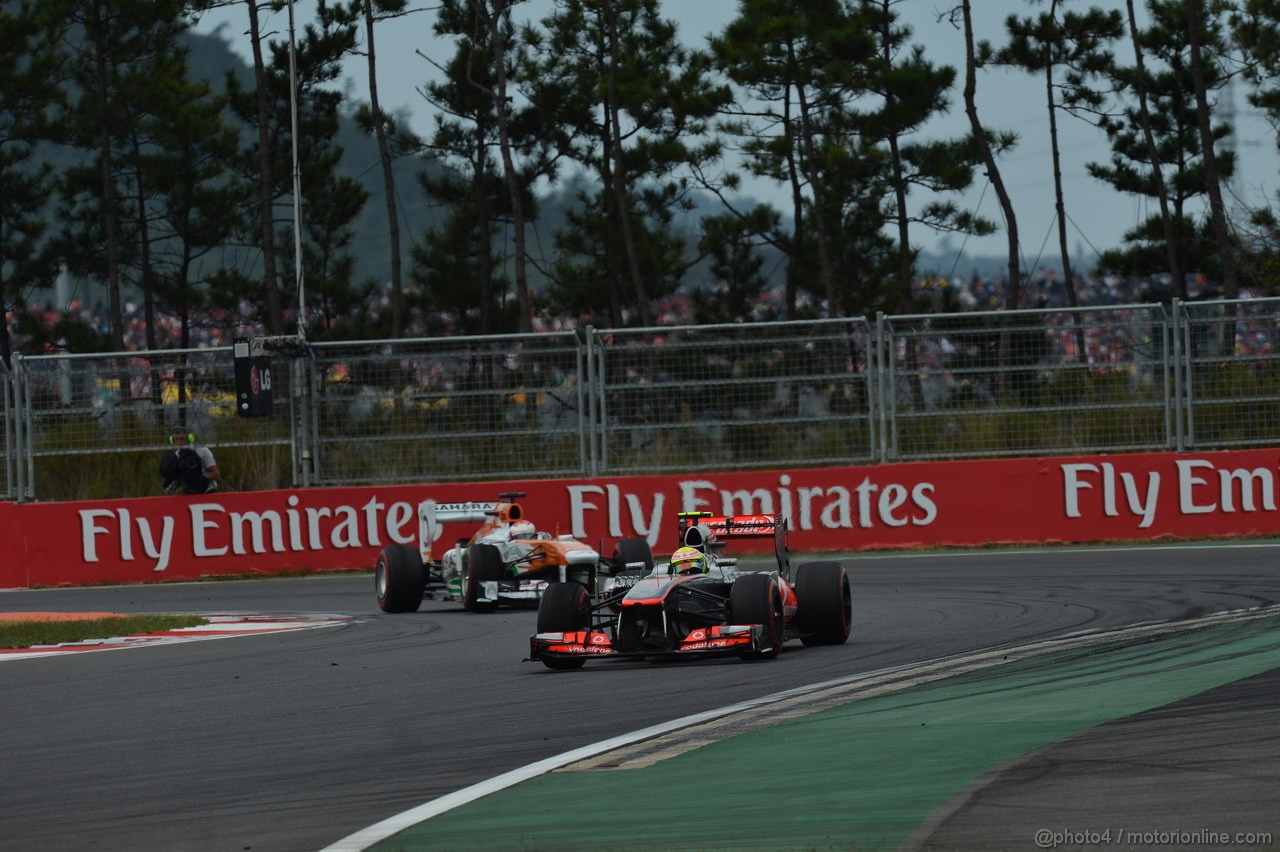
(832, 508)
(1198, 493)
(217, 531)
(923, 504)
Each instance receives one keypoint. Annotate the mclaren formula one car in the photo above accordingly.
(507, 561)
(698, 603)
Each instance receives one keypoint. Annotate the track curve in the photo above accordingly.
(292, 741)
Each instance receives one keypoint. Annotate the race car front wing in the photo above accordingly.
(718, 639)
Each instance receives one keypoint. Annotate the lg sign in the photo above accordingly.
(259, 379)
(253, 381)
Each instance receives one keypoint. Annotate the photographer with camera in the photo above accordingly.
(188, 467)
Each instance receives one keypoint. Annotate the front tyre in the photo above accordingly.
(483, 565)
(755, 599)
(399, 578)
(825, 603)
(564, 608)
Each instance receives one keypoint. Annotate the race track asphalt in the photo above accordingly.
(295, 741)
(895, 769)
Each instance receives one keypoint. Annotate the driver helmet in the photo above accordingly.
(523, 529)
(689, 560)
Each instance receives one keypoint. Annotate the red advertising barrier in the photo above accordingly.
(964, 503)
(13, 561)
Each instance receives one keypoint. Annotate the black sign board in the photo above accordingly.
(253, 381)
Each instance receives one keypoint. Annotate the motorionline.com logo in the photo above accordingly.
(1050, 839)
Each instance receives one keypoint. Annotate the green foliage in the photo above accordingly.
(27, 634)
(134, 472)
(1171, 113)
(632, 105)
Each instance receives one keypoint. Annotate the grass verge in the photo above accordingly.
(26, 634)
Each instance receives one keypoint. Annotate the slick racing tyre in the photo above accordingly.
(564, 608)
(484, 564)
(755, 599)
(399, 578)
(825, 604)
(630, 550)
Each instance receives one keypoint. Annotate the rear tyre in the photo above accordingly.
(484, 564)
(630, 550)
(564, 608)
(399, 578)
(755, 599)
(825, 603)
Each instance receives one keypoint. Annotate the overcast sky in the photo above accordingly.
(1097, 215)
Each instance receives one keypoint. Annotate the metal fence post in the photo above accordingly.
(10, 436)
(875, 390)
(22, 428)
(600, 422)
(1179, 406)
(588, 420)
(582, 366)
(300, 426)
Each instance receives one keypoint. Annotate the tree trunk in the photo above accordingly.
(799, 231)
(819, 208)
(1213, 180)
(1060, 206)
(266, 184)
(498, 41)
(620, 175)
(1157, 174)
(388, 179)
(989, 160)
(110, 226)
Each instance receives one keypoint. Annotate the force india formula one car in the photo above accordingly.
(508, 561)
(711, 607)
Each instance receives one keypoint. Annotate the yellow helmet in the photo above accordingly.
(688, 560)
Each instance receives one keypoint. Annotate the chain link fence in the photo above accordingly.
(636, 401)
(96, 425)
(444, 409)
(726, 397)
(1026, 383)
(7, 414)
(1232, 393)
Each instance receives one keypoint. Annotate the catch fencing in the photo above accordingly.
(601, 402)
(7, 412)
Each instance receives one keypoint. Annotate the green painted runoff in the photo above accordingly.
(860, 776)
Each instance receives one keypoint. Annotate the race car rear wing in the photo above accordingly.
(432, 516)
(706, 531)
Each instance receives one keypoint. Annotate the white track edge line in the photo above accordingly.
(364, 838)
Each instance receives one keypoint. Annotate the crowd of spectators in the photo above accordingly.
(211, 328)
(976, 292)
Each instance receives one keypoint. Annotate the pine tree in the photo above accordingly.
(392, 139)
(123, 45)
(633, 107)
(29, 98)
(1168, 129)
(804, 65)
(1068, 49)
(328, 203)
(913, 91)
